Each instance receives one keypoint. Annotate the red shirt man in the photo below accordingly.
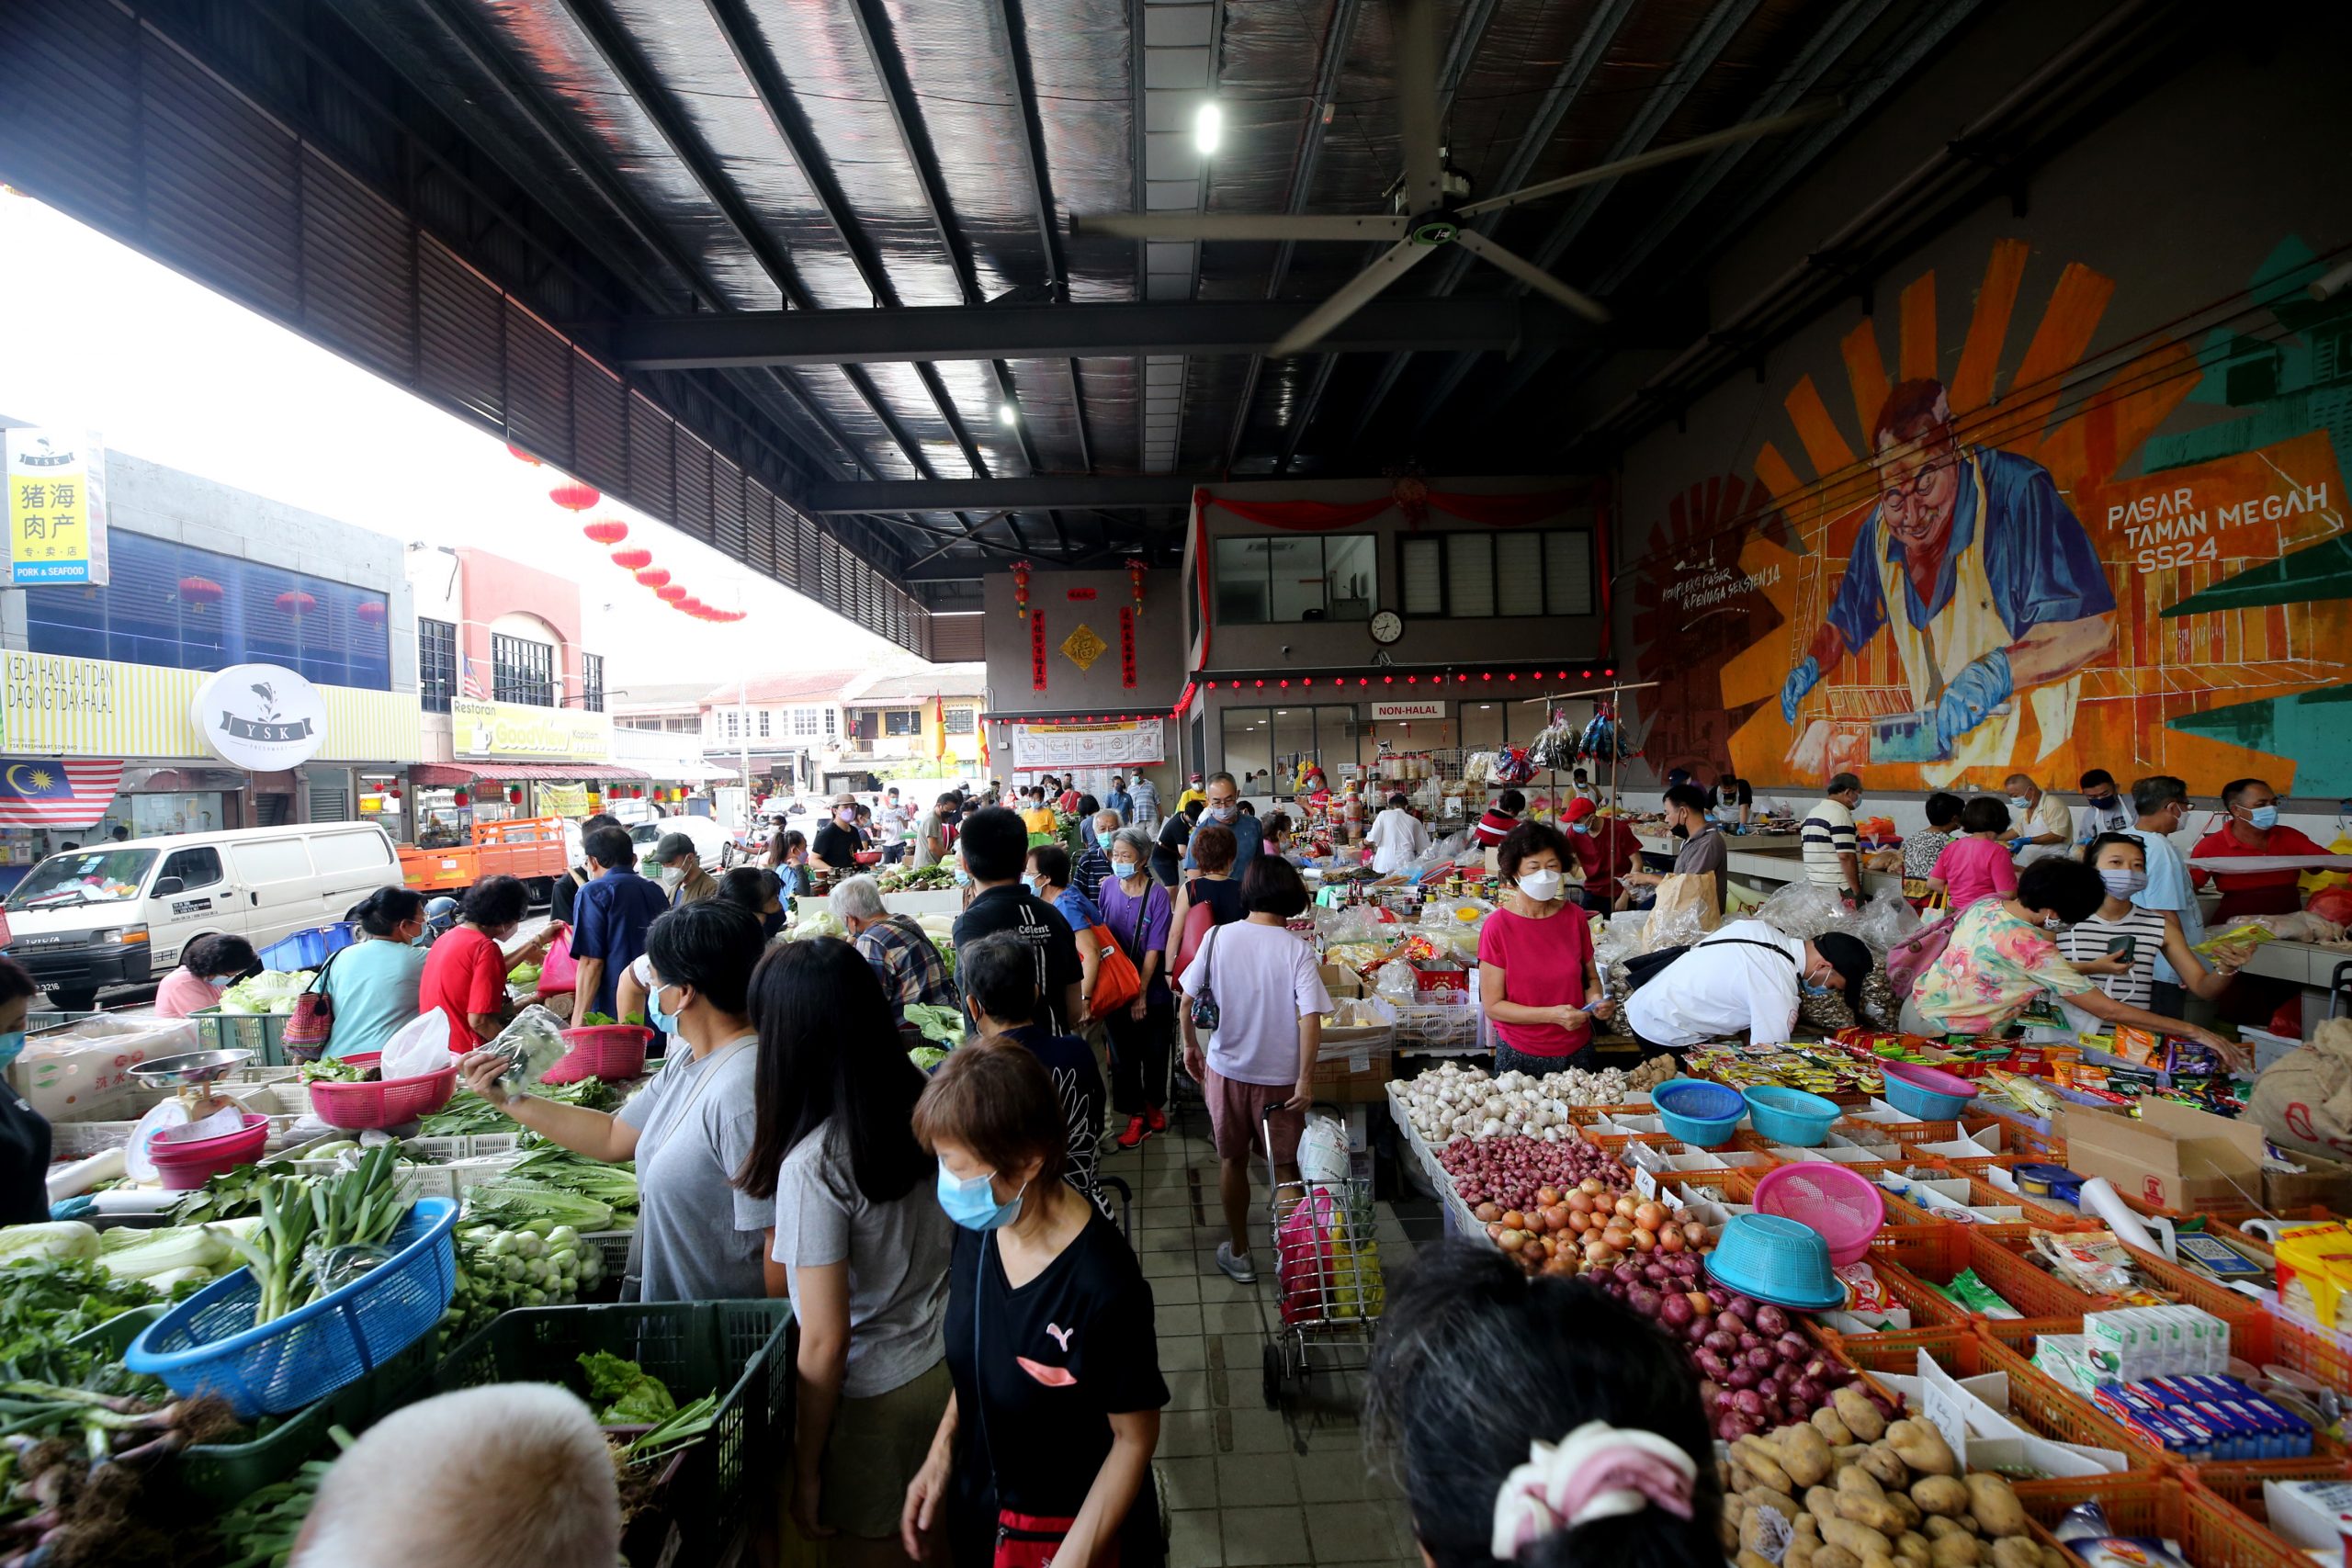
(1500, 817)
(2252, 829)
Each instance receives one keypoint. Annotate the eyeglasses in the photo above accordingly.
(1898, 498)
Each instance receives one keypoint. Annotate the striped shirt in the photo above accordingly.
(2086, 942)
(1828, 833)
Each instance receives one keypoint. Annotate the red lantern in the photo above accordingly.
(573, 496)
(607, 531)
(520, 455)
(370, 610)
(672, 594)
(655, 578)
(462, 798)
(1135, 582)
(296, 603)
(196, 592)
(633, 560)
(514, 794)
(1020, 570)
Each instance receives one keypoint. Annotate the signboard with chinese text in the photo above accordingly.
(518, 732)
(57, 508)
(1036, 650)
(1037, 746)
(1128, 645)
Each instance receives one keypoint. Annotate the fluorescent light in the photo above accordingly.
(1007, 414)
(1208, 128)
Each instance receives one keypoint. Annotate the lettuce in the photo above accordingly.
(944, 1024)
(621, 1393)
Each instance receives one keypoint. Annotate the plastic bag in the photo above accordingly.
(1885, 920)
(1617, 938)
(533, 1044)
(419, 1047)
(561, 971)
(1684, 912)
(1801, 909)
(1396, 980)
(1323, 1149)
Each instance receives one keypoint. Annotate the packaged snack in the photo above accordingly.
(1866, 1293)
(1966, 1289)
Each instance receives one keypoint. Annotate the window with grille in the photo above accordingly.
(1483, 575)
(832, 716)
(764, 724)
(592, 681)
(522, 670)
(960, 720)
(437, 664)
(804, 721)
(734, 724)
(902, 721)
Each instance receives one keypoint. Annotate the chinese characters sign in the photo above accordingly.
(57, 508)
(1082, 647)
(1036, 650)
(1128, 645)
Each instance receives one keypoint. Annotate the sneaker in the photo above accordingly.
(1135, 1133)
(1156, 1119)
(1238, 1270)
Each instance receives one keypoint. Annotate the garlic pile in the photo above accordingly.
(1456, 1102)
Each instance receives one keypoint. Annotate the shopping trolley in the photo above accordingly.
(1327, 1273)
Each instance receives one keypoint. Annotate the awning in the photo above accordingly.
(704, 770)
(427, 775)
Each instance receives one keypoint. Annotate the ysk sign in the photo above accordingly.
(260, 717)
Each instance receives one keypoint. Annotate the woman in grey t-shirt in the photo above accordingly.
(858, 1230)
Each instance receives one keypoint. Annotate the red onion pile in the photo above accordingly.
(1511, 1169)
(1759, 1372)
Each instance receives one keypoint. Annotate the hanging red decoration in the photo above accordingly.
(656, 578)
(607, 531)
(520, 455)
(196, 592)
(1412, 497)
(1020, 570)
(296, 603)
(573, 496)
(1135, 582)
(632, 561)
(671, 594)
(462, 798)
(514, 794)
(370, 610)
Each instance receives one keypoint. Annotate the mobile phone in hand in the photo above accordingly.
(2124, 947)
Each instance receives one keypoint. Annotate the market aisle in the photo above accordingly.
(1246, 1484)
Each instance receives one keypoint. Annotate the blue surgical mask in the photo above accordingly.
(2122, 883)
(971, 1202)
(1123, 868)
(2264, 816)
(1222, 813)
(667, 1023)
(12, 1045)
(2019, 803)
(1032, 880)
(1578, 828)
(963, 878)
(1813, 990)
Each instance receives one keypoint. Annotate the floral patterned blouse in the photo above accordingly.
(1991, 970)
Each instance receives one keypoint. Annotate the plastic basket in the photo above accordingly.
(2210, 1532)
(1790, 1115)
(1697, 1112)
(263, 1034)
(307, 950)
(613, 1052)
(357, 1107)
(1924, 1092)
(208, 1344)
(2250, 1327)
(2239, 1486)
(739, 1350)
(184, 1167)
(1846, 1208)
(2319, 1353)
(2048, 1306)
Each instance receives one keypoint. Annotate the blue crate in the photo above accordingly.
(307, 950)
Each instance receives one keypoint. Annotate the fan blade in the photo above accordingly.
(1650, 160)
(1310, 227)
(1359, 291)
(1534, 276)
(1418, 128)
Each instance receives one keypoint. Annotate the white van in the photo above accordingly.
(121, 914)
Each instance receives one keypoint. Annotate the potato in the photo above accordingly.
(1808, 1528)
(1912, 1547)
(1747, 1559)
(1922, 1448)
(1937, 1528)
(1900, 1501)
(1761, 1531)
(1846, 1453)
(1822, 1504)
(1997, 1511)
(1799, 1553)
(1862, 1418)
(2015, 1552)
(1954, 1551)
(2051, 1557)
(1740, 1479)
(1727, 1532)
(1827, 1556)
(1860, 1500)
(1939, 1494)
(1834, 1432)
(1803, 1453)
(1751, 1452)
(1886, 1464)
(1859, 1538)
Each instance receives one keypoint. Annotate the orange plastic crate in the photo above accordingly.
(2211, 1533)
(2250, 1332)
(1982, 1193)
(2048, 1306)
(2240, 1485)
(2314, 1351)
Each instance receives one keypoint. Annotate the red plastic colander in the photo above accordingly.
(357, 1107)
(606, 1051)
(1840, 1205)
(192, 1162)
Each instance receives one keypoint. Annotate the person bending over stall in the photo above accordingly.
(1593, 1449)
(465, 970)
(1055, 1410)
(690, 1129)
(860, 1236)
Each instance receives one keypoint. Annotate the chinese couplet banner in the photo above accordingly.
(1127, 647)
(1036, 650)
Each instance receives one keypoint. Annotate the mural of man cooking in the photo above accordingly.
(2000, 589)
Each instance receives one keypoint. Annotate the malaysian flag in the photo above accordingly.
(47, 792)
(469, 683)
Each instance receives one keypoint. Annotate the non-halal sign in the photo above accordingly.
(261, 717)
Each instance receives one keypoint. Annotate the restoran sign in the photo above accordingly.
(517, 732)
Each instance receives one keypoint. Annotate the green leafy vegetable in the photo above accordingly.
(622, 1394)
(64, 1239)
(685, 1426)
(927, 1056)
(943, 1024)
(44, 1303)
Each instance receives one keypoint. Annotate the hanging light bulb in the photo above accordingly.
(1208, 128)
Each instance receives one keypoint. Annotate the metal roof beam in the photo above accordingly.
(1037, 492)
(931, 332)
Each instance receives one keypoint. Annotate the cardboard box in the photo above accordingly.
(2323, 1183)
(78, 1071)
(1353, 1067)
(2172, 1158)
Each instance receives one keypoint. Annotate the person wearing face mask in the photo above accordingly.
(2118, 947)
(1536, 976)
(2044, 826)
(2004, 953)
(2251, 828)
(1222, 806)
(1048, 877)
(1703, 851)
(615, 911)
(1605, 850)
(2161, 803)
(1049, 1337)
(1136, 910)
(1173, 842)
(373, 983)
(2106, 809)
(900, 951)
(837, 843)
(683, 877)
(1396, 838)
(1734, 800)
(690, 1129)
(759, 892)
(1744, 976)
(465, 972)
(209, 965)
(25, 1138)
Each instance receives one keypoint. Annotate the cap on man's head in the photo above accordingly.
(674, 846)
(1849, 956)
(1196, 778)
(1578, 810)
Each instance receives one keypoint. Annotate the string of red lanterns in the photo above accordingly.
(575, 497)
(1603, 673)
(605, 531)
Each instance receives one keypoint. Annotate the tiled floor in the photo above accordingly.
(1246, 1484)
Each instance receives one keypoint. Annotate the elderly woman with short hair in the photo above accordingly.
(1136, 905)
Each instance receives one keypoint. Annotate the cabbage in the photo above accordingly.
(67, 1239)
(944, 1024)
(269, 991)
(926, 1056)
(818, 922)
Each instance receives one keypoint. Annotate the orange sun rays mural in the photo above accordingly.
(1960, 559)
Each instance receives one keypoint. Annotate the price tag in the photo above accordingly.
(1645, 1183)
(1945, 1406)
(1360, 1061)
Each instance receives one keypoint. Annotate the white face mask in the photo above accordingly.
(672, 875)
(1541, 885)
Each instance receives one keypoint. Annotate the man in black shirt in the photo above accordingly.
(1167, 855)
(837, 843)
(995, 848)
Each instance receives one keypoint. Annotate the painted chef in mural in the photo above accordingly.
(1987, 583)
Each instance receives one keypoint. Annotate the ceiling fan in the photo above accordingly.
(1427, 213)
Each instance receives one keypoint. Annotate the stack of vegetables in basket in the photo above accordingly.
(524, 1243)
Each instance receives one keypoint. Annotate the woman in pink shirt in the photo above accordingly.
(208, 966)
(1535, 967)
(1978, 863)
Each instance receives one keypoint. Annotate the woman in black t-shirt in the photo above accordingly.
(1168, 853)
(1046, 1446)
